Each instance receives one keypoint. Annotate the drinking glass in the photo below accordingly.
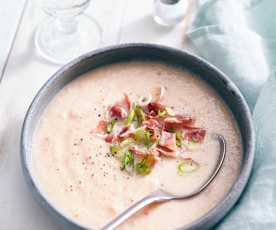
(66, 33)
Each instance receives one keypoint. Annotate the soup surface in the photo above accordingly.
(77, 173)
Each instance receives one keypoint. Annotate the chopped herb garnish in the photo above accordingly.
(187, 166)
(147, 140)
(130, 118)
(143, 167)
(170, 112)
(128, 161)
(139, 135)
(162, 113)
(110, 126)
(165, 112)
(178, 138)
(114, 149)
(143, 136)
(139, 112)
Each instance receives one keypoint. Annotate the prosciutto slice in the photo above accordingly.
(194, 134)
(101, 127)
(177, 122)
(118, 112)
(167, 145)
(155, 106)
(127, 101)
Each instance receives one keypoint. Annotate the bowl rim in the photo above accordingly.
(214, 215)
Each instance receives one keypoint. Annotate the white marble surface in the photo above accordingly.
(12, 12)
(123, 21)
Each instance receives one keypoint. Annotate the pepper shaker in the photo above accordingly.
(169, 12)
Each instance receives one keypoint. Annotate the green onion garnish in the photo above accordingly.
(143, 136)
(130, 118)
(128, 161)
(139, 112)
(114, 149)
(110, 126)
(139, 135)
(143, 167)
(178, 138)
(187, 166)
(147, 140)
(162, 113)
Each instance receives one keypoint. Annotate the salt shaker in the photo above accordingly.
(169, 12)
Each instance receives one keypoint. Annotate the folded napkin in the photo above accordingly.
(256, 209)
(221, 35)
(239, 37)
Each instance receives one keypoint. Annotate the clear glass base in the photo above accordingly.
(61, 41)
(167, 14)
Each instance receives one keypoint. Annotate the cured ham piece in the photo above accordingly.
(194, 134)
(155, 106)
(109, 138)
(127, 101)
(151, 123)
(155, 154)
(118, 111)
(177, 122)
(153, 126)
(167, 145)
(137, 152)
(165, 151)
(126, 132)
(101, 127)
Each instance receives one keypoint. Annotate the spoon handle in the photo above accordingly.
(154, 197)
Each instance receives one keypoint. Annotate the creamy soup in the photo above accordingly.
(81, 178)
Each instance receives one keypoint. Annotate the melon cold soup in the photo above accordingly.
(122, 131)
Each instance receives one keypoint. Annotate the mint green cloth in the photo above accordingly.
(239, 37)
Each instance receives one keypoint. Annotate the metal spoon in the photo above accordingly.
(161, 196)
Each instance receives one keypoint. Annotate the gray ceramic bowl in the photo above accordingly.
(216, 79)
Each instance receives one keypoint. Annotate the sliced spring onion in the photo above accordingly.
(147, 140)
(144, 166)
(162, 113)
(143, 136)
(187, 166)
(178, 143)
(178, 138)
(114, 149)
(166, 112)
(110, 126)
(139, 112)
(139, 135)
(127, 161)
(130, 118)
